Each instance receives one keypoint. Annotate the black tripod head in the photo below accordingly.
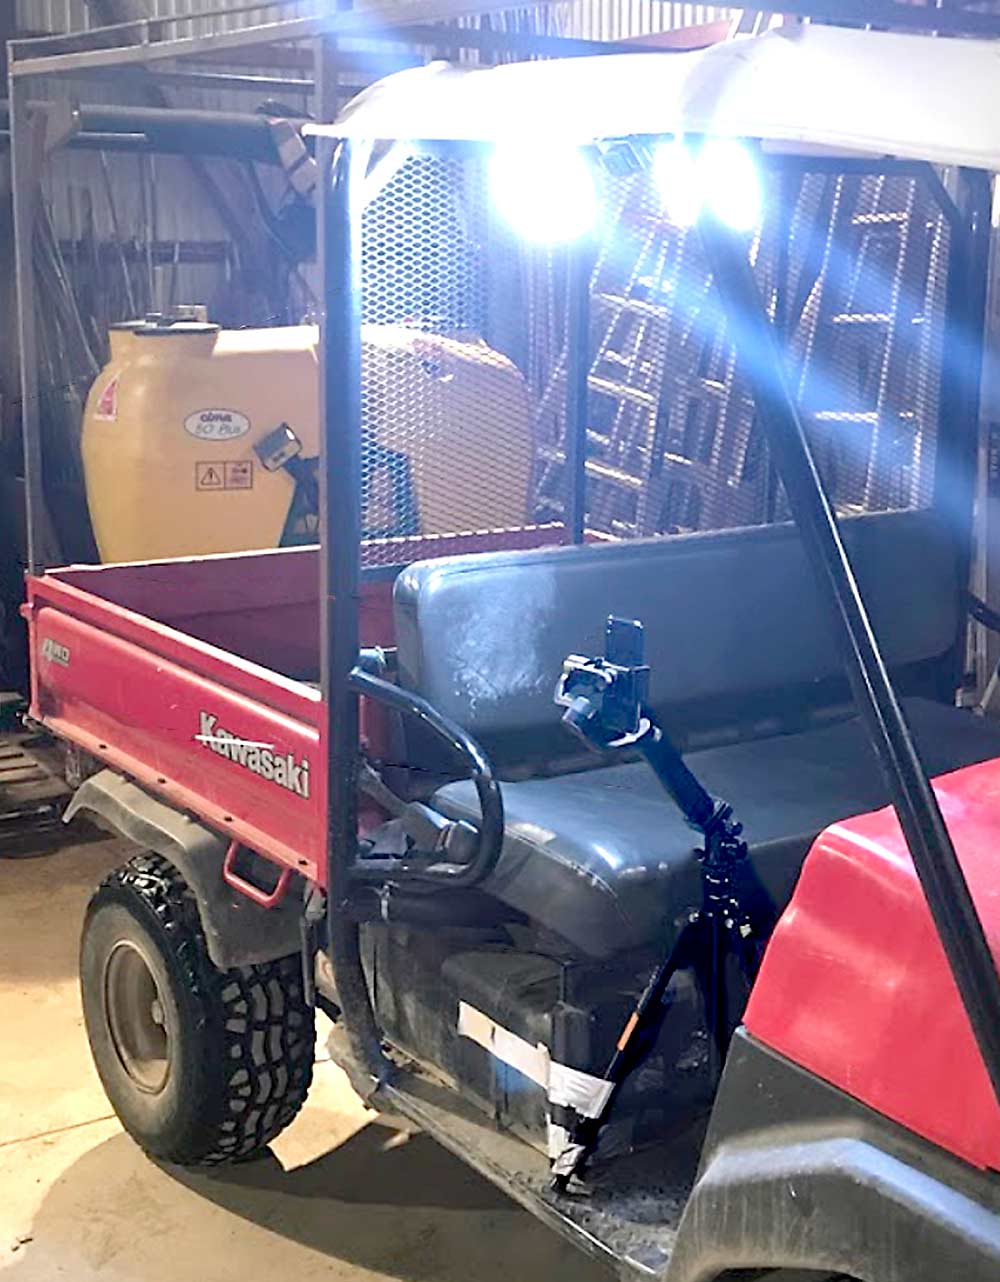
(604, 698)
(605, 702)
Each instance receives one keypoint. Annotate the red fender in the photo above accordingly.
(855, 986)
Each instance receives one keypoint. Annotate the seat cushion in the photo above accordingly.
(603, 858)
(735, 627)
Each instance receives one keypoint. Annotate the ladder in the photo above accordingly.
(867, 381)
(653, 366)
(672, 442)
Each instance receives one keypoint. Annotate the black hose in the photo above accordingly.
(436, 908)
(480, 770)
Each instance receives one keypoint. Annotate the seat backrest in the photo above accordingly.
(736, 631)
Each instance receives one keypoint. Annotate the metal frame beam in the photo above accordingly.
(962, 370)
(579, 266)
(223, 80)
(27, 152)
(373, 23)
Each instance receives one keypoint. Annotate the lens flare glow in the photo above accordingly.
(547, 195)
(730, 183)
(675, 173)
(720, 175)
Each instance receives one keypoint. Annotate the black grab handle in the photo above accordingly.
(479, 768)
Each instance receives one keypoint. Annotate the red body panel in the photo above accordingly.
(855, 985)
(133, 693)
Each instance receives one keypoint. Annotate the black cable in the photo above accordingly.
(983, 613)
(273, 229)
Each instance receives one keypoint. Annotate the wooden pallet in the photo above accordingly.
(32, 794)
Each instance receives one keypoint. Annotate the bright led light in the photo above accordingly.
(678, 182)
(720, 174)
(730, 183)
(547, 195)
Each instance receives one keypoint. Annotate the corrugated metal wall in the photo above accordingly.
(586, 19)
(161, 197)
(153, 197)
(623, 19)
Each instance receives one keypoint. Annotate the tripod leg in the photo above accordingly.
(732, 959)
(749, 951)
(648, 1011)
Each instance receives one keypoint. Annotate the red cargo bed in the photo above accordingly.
(197, 678)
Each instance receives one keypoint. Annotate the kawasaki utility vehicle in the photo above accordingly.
(608, 839)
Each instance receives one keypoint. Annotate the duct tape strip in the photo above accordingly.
(558, 1139)
(585, 1094)
(565, 1087)
(566, 1161)
(532, 1061)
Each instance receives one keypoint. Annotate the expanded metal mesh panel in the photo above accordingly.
(465, 360)
(447, 403)
(852, 269)
(870, 342)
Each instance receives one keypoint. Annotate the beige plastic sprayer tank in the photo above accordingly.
(172, 422)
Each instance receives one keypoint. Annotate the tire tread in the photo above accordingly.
(254, 1018)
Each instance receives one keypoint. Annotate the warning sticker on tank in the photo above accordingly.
(217, 425)
(239, 475)
(106, 408)
(209, 476)
(236, 474)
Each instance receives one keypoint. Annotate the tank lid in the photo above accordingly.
(127, 326)
(184, 318)
(178, 328)
(185, 312)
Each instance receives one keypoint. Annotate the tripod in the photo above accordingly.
(605, 705)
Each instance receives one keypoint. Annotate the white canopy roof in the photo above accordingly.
(914, 97)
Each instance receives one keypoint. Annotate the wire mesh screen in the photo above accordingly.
(465, 363)
(447, 407)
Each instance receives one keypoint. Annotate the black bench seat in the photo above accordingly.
(742, 658)
(604, 858)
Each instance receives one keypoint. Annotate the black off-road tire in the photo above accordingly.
(236, 1051)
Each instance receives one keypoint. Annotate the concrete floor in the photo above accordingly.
(343, 1196)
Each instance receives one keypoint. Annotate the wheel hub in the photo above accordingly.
(136, 1017)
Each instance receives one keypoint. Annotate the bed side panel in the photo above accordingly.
(246, 768)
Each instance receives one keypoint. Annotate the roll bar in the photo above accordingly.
(482, 863)
(952, 908)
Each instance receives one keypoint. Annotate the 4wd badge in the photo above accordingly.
(55, 652)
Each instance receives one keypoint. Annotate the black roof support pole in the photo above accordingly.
(340, 537)
(579, 265)
(961, 376)
(920, 818)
